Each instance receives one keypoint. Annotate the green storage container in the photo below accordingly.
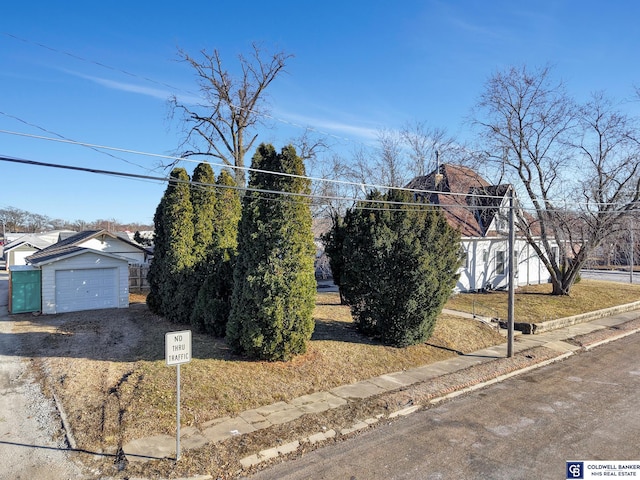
(24, 289)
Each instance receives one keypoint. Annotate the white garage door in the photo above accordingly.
(86, 289)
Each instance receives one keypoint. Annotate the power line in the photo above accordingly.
(357, 185)
(172, 87)
(190, 182)
(70, 140)
(358, 201)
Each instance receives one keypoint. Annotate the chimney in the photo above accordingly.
(438, 176)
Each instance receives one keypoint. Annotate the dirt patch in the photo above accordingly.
(107, 369)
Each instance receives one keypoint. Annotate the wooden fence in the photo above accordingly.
(138, 278)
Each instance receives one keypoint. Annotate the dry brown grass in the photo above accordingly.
(108, 368)
(536, 304)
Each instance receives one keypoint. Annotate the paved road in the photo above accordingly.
(584, 408)
(610, 276)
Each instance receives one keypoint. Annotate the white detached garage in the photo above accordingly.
(77, 278)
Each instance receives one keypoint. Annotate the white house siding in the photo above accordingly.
(115, 246)
(483, 263)
(17, 255)
(86, 262)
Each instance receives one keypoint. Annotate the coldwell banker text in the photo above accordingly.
(592, 469)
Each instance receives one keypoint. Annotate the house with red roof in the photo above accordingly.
(479, 211)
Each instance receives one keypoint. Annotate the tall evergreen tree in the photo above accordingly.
(155, 275)
(401, 267)
(227, 213)
(274, 279)
(213, 304)
(203, 199)
(333, 242)
(173, 252)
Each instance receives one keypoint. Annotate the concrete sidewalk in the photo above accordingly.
(163, 446)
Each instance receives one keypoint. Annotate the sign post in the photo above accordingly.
(177, 350)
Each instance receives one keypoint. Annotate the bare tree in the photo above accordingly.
(423, 142)
(14, 219)
(35, 222)
(221, 126)
(390, 164)
(578, 166)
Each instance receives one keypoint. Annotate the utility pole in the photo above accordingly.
(631, 254)
(512, 267)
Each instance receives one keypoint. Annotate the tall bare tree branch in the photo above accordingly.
(222, 125)
(554, 149)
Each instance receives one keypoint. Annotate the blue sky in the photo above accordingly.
(101, 73)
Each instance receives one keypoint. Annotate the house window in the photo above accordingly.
(500, 263)
(464, 258)
(554, 254)
(485, 256)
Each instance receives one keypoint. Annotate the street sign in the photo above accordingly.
(177, 350)
(177, 347)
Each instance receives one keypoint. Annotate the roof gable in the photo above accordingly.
(470, 203)
(43, 258)
(33, 239)
(74, 243)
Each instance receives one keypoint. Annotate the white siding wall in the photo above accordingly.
(116, 247)
(83, 261)
(16, 256)
(482, 265)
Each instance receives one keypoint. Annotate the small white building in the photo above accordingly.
(86, 271)
(76, 279)
(104, 241)
(18, 249)
(479, 211)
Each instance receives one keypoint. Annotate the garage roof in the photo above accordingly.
(70, 246)
(51, 254)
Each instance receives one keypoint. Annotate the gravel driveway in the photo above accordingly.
(28, 421)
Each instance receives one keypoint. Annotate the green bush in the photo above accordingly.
(399, 267)
(274, 279)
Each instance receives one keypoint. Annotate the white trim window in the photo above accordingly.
(500, 262)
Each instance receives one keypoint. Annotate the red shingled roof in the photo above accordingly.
(468, 201)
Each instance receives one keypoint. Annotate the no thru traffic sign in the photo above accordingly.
(177, 347)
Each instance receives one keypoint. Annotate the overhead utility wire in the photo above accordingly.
(173, 88)
(70, 140)
(358, 185)
(94, 62)
(113, 173)
(360, 201)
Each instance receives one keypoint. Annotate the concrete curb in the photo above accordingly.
(611, 339)
(68, 433)
(321, 437)
(533, 328)
(500, 378)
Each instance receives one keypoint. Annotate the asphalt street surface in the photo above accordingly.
(611, 276)
(584, 408)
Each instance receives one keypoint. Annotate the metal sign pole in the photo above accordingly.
(511, 302)
(178, 414)
(177, 350)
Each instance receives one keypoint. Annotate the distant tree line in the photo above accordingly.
(22, 221)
